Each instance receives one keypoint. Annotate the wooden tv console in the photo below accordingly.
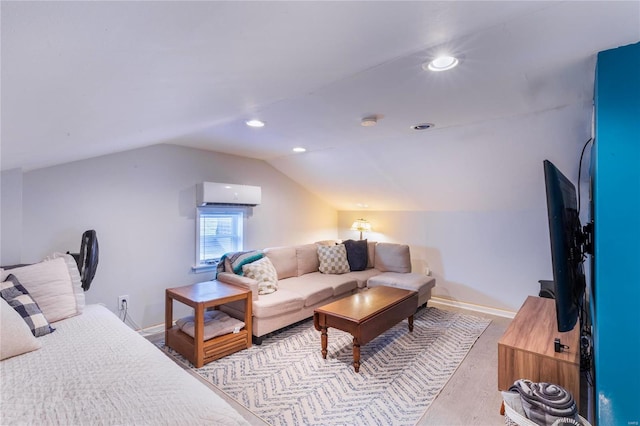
(526, 349)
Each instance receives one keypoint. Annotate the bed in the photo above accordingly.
(93, 369)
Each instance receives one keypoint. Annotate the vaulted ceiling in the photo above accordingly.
(83, 79)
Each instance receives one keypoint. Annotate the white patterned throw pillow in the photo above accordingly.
(333, 259)
(264, 272)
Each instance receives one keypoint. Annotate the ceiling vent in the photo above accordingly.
(211, 193)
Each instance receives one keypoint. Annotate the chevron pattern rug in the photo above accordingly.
(285, 381)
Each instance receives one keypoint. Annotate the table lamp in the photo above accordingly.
(361, 225)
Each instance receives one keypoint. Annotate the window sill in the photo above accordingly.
(203, 268)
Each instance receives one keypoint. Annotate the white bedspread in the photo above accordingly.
(95, 370)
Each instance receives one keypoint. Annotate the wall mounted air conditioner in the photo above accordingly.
(227, 193)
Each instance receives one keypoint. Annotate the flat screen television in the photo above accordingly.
(567, 251)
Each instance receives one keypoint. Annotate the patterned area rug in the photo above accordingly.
(285, 381)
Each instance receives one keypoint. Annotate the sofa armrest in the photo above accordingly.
(240, 281)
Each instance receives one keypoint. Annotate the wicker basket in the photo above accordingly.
(513, 418)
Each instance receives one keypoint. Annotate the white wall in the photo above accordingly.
(11, 217)
(142, 205)
(489, 248)
(491, 259)
(492, 249)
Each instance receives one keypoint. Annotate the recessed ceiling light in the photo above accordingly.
(441, 63)
(423, 126)
(369, 121)
(299, 149)
(255, 123)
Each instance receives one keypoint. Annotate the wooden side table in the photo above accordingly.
(200, 296)
(526, 350)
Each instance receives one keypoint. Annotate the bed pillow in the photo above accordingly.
(21, 301)
(333, 259)
(357, 254)
(76, 279)
(15, 335)
(51, 286)
(264, 273)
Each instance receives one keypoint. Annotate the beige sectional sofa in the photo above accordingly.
(302, 288)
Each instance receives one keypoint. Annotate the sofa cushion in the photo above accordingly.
(327, 242)
(408, 281)
(264, 273)
(284, 260)
(371, 254)
(280, 302)
(333, 259)
(307, 258)
(357, 254)
(392, 257)
(361, 277)
(312, 287)
(340, 284)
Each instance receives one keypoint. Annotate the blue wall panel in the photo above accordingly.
(616, 297)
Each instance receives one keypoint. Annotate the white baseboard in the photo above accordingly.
(434, 300)
(471, 307)
(154, 329)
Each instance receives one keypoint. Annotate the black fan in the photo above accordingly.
(87, 260)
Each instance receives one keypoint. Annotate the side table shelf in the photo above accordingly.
(201, 296)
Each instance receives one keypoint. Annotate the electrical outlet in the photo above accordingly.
(123, 302)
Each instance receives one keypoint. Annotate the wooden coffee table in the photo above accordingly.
(366, 315)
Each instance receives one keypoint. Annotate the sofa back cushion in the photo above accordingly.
(371, 247)
(307, 258)
(284, 260)
(327, 242)
(391, 257)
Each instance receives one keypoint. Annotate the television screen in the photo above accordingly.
(566, 238)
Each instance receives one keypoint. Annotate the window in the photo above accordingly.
(218, 231)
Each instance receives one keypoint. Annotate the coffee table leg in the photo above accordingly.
(323, 339)
(411, 323)
(356, 354)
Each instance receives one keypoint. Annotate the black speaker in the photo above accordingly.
(546, 289)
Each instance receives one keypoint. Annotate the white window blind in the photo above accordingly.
(219, 231)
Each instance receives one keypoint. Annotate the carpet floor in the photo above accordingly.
(285, 381)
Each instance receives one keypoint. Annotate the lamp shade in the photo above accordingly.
(361, 225)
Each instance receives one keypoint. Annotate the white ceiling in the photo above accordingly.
(82, 79)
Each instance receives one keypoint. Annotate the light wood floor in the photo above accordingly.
(471, 397)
